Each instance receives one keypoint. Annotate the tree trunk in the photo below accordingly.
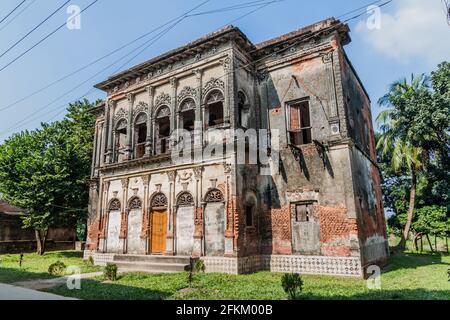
(416, 238)
(412, 197)
(41, 238)
(429, 243)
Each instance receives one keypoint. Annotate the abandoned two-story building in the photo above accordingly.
(315, 205)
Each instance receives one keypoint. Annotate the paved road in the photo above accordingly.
(9, 292)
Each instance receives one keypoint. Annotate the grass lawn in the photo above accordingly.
(36, 267)
(408, 276)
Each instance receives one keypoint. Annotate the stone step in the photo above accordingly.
(125, 266)
(151, 259)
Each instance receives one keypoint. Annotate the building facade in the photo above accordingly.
(301, 195)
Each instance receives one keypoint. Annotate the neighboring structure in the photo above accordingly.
(315, 205)
(14, 238)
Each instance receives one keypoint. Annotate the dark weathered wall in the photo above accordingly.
(366, 175)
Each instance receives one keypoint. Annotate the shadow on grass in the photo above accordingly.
(96, 290)
(410, 260)
(401, 294)
(67, 254)
(11, 275)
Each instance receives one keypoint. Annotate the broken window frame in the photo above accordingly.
(305, 132)
(139, 146)
(120, 134)
(308, 213)
(214, 102)
(162, 117)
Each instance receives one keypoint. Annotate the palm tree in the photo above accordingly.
(393, 139)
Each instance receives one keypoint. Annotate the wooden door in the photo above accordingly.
(159, 231)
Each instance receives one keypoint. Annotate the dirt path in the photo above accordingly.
(40, 284)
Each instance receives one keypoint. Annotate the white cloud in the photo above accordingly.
(416, 32)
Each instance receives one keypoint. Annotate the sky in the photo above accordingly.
(410, 36)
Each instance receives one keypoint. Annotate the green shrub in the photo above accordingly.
(292, 284)
(90, 261)
(199, 265)
(110, 272)
(56, 269)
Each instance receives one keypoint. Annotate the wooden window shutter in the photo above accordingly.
(294, 118)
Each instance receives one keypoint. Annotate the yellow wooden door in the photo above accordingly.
(159, 230)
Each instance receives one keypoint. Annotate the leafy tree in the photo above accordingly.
(394, 138)
(45, 171)
(414, 148)
(433, 220)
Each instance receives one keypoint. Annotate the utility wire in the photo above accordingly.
(18, 14)
(158, 36)
(253, 3)
(12, 11)
(24, 120)
(34, 29)
(43, 39)
(358, 9)
(288, 47)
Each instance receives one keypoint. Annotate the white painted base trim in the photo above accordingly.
(321, 265)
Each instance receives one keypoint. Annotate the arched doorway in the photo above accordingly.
(185, 226)
(214, 223)
(113, 242)
(158, 224)
(134, 242)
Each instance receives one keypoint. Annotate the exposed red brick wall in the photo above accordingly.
(145, 225)
(276, 225)
(93, 234)
(335, 226)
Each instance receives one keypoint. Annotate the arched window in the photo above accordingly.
(185, 199)
(120, 140)
(214, 195)
(114, 205)
(214, 112)
(135, 203)
(159, 200)
(162, 129)
(187, 114)
(140, 134)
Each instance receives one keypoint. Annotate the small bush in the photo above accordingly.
(110, 272)
(199, 266)
(90, 261)
(292, 284)
(56, 269)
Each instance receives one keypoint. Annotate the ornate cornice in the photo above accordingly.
(163, 98)
(213, 83)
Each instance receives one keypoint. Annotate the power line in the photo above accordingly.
(282, 49)
(159, 35)
(45, 38)
(447, 10)
(235, 7)
(12, 11)
(30, 116)
(358, 9)
(152, 40)
(18, 14)
(34, 29)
